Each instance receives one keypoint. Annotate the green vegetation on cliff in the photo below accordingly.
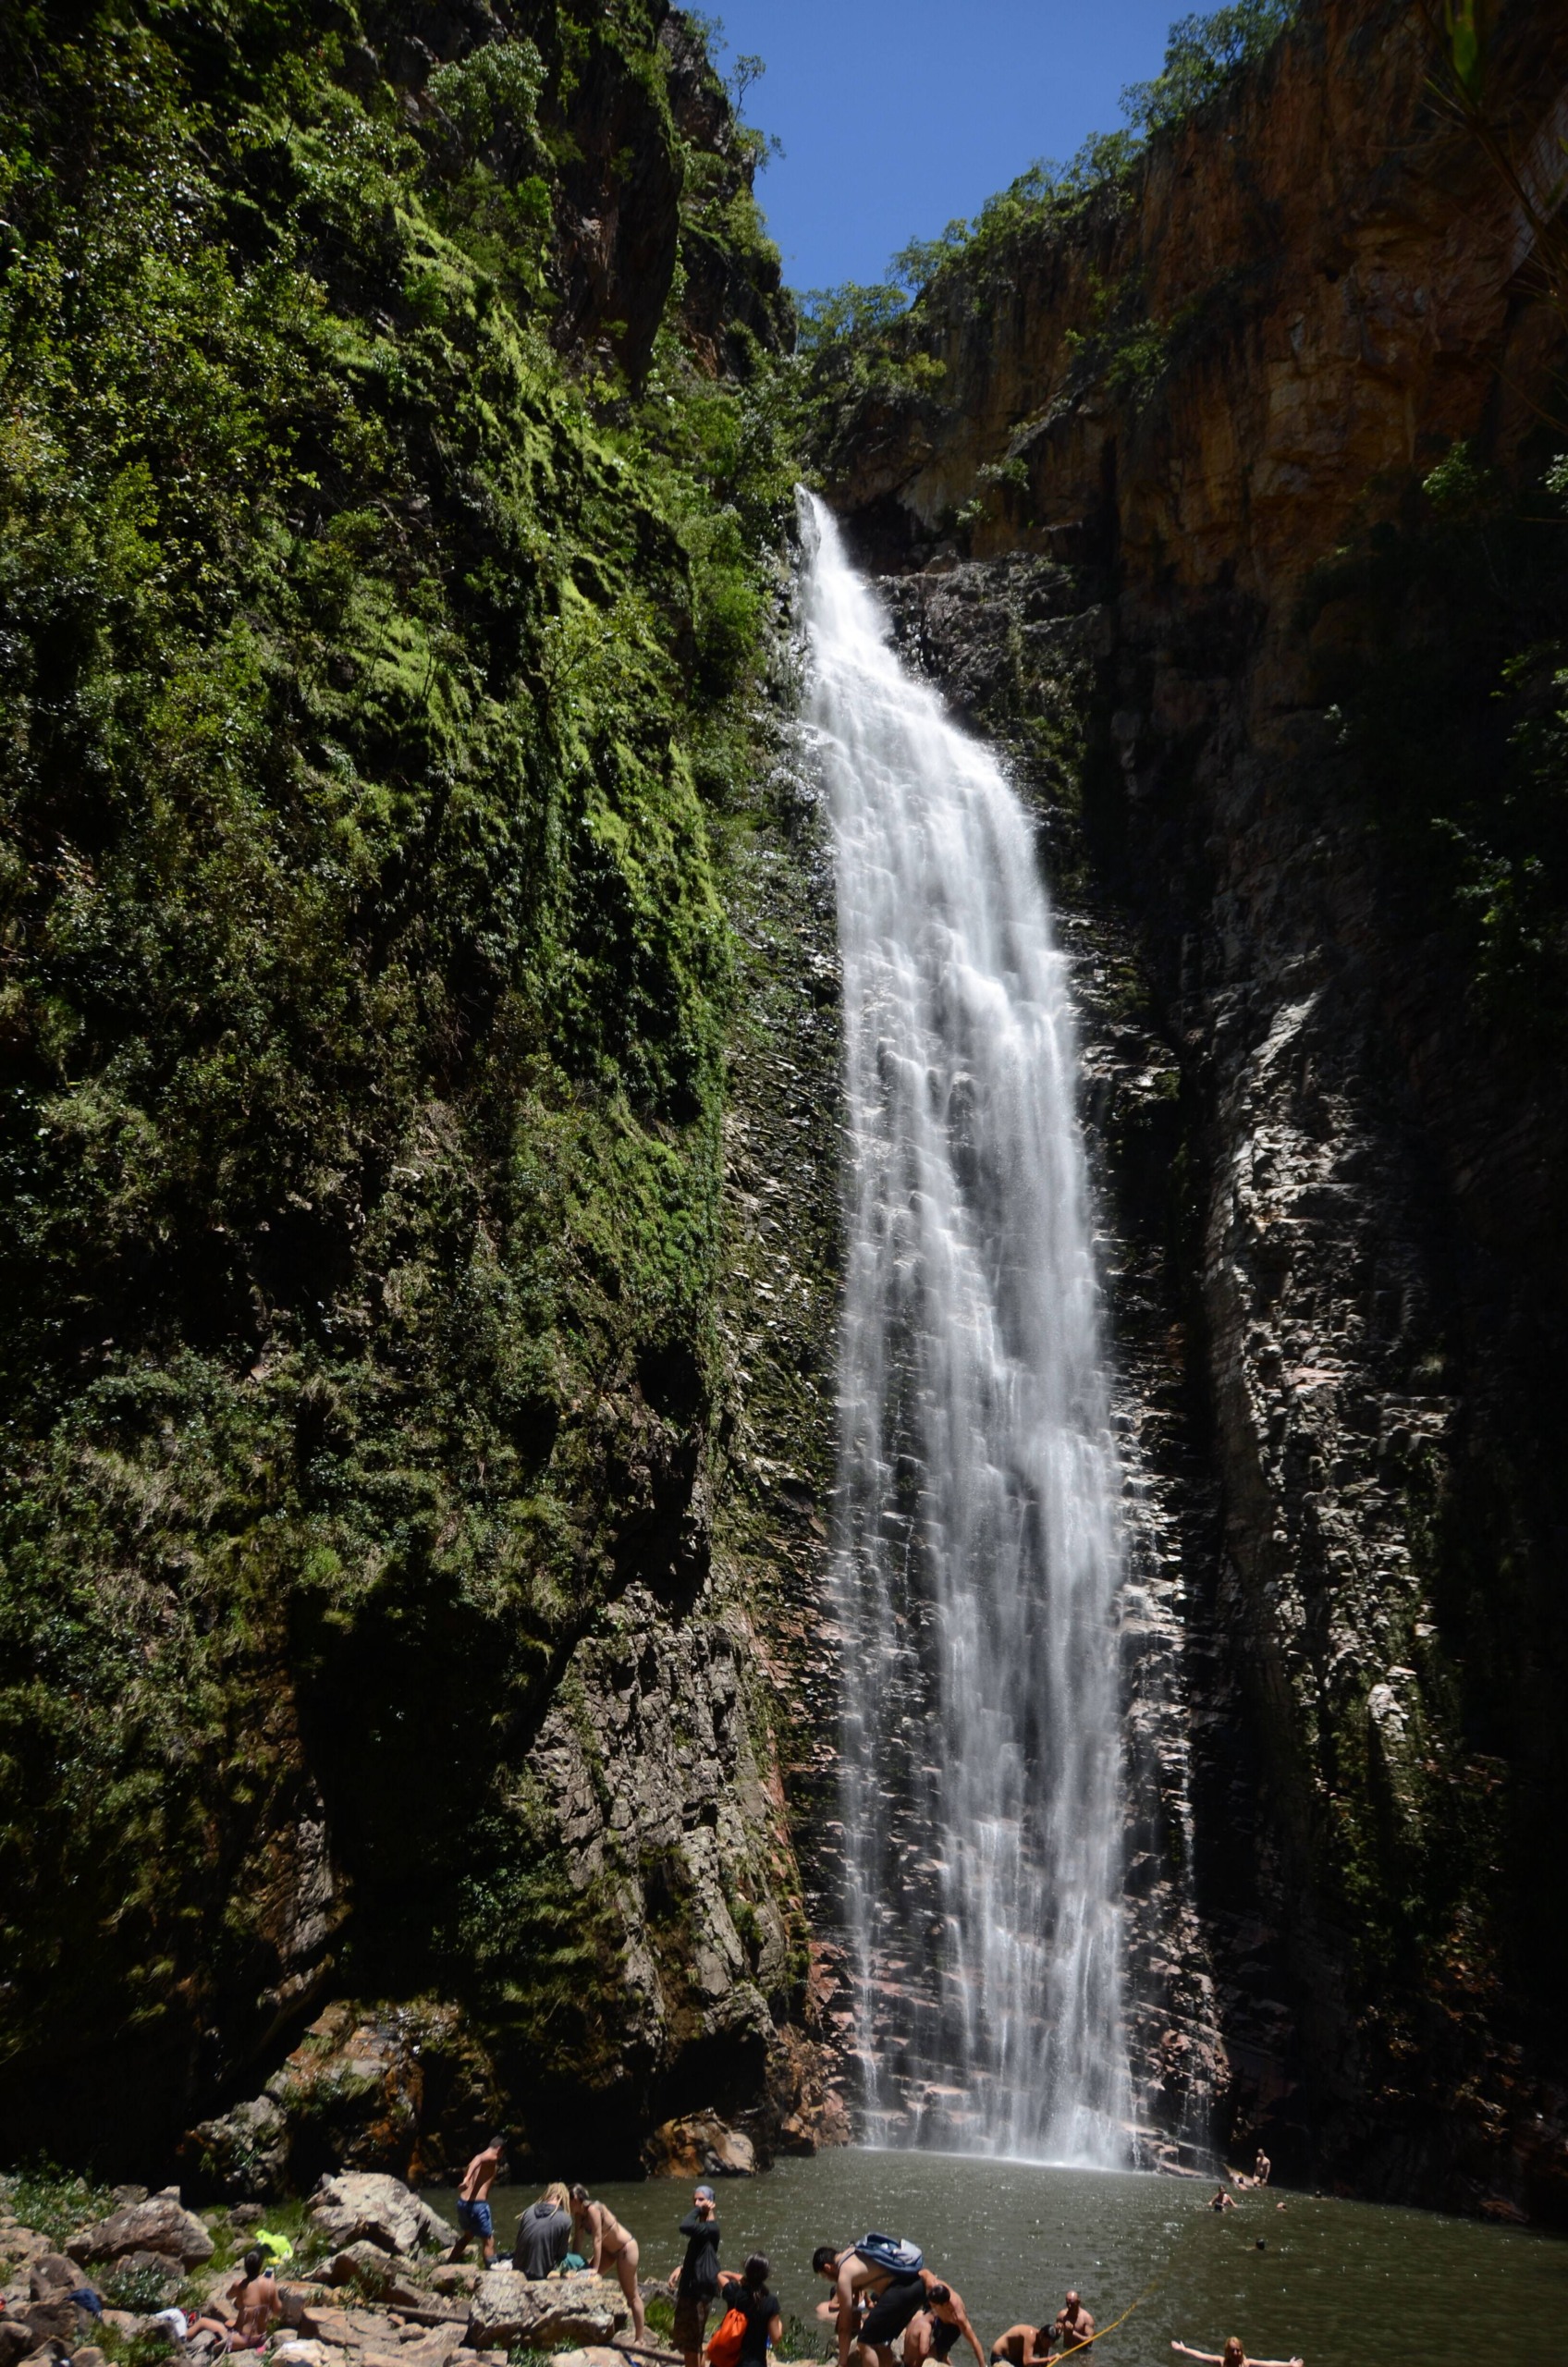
(387, 495)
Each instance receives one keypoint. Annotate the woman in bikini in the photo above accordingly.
(256, 2307)
(599, 2235)
(1233, 2356)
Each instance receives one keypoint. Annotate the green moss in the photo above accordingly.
(366, 982)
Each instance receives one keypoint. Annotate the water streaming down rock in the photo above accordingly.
(978, 1548)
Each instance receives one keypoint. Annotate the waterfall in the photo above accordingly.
(978, 1555)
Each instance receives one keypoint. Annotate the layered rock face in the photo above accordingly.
(1330, 1170)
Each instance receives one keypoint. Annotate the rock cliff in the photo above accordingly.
(389, 515)
(1158, 473)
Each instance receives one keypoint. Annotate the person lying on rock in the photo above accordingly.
(603, 2243)
(473, 2202)
(696, 2280)
(543, 2234)
(256, 2308)
(936, 2330)
(1234, 2356)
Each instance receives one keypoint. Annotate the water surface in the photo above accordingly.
(1344, 2284)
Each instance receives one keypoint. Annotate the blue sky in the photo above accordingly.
(897, 115)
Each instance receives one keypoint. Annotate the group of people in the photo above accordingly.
(886, 2307)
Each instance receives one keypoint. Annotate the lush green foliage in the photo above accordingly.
(1202, 54)
(364, 672)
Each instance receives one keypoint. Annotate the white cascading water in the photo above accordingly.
(978, 1548)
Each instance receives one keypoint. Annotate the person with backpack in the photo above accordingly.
(888, 2273)
(751, 2321)
(696, 2280)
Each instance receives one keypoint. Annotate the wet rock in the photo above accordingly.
(365, 2205)
(701, 2145)
(161, 2226)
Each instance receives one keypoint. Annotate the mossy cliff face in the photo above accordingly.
(389, 493)
(1273, 403)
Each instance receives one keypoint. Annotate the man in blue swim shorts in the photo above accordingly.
(473, 2201)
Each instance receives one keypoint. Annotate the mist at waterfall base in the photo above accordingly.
(977, 1549)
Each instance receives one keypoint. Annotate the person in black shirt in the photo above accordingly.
(749, 2294)
(697, 2280)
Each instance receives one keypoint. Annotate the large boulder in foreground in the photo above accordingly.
(507, 2309)
(161, 2225)
(365, 2206)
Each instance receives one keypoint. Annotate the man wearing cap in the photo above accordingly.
(697, 2280)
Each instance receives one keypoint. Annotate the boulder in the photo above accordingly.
(295, 2299)
(300, 2353)
(381, 2274)
(123, 2197)
(381, 2210)
(455, 2277)
(52, 2273)
(168, 2272)
(17, 2339)
(595, 2355)
(160, 2224)
(507, 2309)
(699, 2146)
(89, 2356)
(55, 2320)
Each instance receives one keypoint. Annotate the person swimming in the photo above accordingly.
(1233, 2356)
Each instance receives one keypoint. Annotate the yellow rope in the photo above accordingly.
(1101, 2332)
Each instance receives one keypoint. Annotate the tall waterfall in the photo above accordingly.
(978, 1551)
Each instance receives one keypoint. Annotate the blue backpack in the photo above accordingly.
(891, 2252)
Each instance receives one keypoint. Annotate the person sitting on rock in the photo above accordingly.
(598, 2236)
(543, 2234)
(936, 2330)
(473, 2202)
(697, 2279)
(256, 2308)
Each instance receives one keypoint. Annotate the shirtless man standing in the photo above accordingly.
(936, 2331)
(473, 2202)
(1073, 2324)
(599, 2235)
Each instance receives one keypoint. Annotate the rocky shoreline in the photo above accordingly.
(371, 2285)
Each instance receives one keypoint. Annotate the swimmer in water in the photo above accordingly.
(1233, 2356)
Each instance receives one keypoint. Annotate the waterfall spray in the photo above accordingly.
(978, 1551)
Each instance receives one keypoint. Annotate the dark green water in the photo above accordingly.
(1344, 2284)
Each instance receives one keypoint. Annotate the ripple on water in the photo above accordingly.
(1345, 2284)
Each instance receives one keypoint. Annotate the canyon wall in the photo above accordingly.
(1156, 475)
(389, 562)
